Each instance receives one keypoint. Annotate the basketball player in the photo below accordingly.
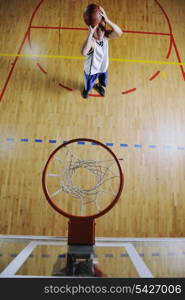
(95, 48)
(83, 268)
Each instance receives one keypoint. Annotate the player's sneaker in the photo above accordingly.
(99, 89)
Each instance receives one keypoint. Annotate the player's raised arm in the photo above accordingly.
(115, 31)
(88, 43)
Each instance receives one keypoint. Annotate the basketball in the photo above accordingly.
(92, 15)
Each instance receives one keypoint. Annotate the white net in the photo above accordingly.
(99, 178)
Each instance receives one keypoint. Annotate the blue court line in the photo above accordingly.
(61, 256)
(108, 255)
(126, 255)
(138, 146)
(52, 141)
(81, 143)
(109, 144)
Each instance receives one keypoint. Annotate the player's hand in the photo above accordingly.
(103, 14)
(92, 29)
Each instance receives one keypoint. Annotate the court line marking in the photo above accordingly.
(98, 239)
(106, 255)
(155, 75)
(141, 267)
(65, 87)
(172, 39)
(18, 261)
(86, 29)
(110, 144)
(129, 91)
(83, 58)
(42, 69)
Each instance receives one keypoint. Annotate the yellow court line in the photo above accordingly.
(82, 58)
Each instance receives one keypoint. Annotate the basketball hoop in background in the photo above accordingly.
(82, 180)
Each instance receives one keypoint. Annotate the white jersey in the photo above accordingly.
(97, 59)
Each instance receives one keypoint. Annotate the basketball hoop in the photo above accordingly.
(82, 183)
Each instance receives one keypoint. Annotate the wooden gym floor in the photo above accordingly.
(141, 117)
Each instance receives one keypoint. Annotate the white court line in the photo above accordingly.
(98, 239)
(149, 239)
(18, 261)
(32, 237)
(139, 264)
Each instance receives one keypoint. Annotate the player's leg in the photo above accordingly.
(103, 77)
(89, 81)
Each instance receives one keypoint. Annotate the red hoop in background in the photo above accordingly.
(82, 228)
